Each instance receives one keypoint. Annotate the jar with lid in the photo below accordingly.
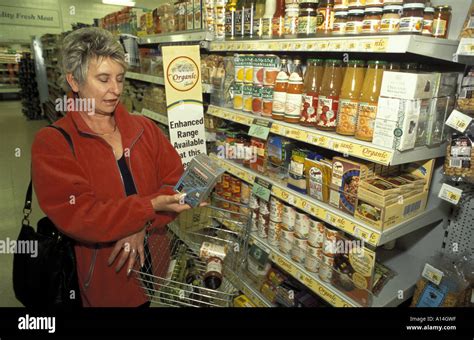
(373, 3)
(341, 5)
(349, 98)
(391, 19)
(441, 21)
(325, 18)
(356, 4)
(328, 100)
(428, 21)
(307, 18)
(292, 12)
(372, 20)
(294, 94)
(355, 21)
(340, 22)
(412, 18)
(311, 85)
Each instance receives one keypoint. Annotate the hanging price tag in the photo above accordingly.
(432, 274)
(450, 193)
(459, 121)
(262, 189)
(260, 128)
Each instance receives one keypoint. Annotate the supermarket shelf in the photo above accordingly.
(242, 283)
(345, 222)
(332, 141)
(186, 36)
(206, 88)
(426, 46)
(162, 119)
(10, 90)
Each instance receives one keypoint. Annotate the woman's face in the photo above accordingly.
(104, 84)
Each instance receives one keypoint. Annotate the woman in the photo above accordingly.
(118, 182)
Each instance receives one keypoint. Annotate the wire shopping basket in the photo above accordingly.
(174, 272)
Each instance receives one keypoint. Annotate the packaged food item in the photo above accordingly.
(248, 68)
(412, 18)
(270, 70)
(355, 21)
(328, 101)
(210, 250)
(242, 301)
(291, 19)
(372, 20)
(267, 101)
(289, 217)
(286, 241)
(266, 26)
(465, 100)
(341, 5)
(313, 259)
(408, 85)
(428, 21)
(239, 61)
(468, 30)
(302, 225)
(257, 100)
(294, 93)
(279, 91)
(382, 275)
(259, 147)
(340, 23)
(276, 210)
(318, 178)
(441, 21)
(346, 175)
(307, 18)
(326, 268)
(459, 160)
(391, 19)
(356, 3)
(316, 234)
(311, 85)
(238, 101)
(278, 20)
(248, 18)
(247, 96)
(279, 156)
(325, 16)
(298, 252)
(263, 223)
(296, 179)
(274, 233)
(331, 237)
(258, 69)
(349, 98)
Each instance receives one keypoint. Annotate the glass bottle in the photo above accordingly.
(249, 14)
(278, 21)
(428, 20)
(291, 19)
(270, 8)
(328, 100)
(230, 9)
(213, 276)
(368, 100)
(279, 91)
(239, 18)
(441, 21)
(311, 85)
(307, 18)
(325, 18)
(349, 98)
(258, 20)
(294, 94)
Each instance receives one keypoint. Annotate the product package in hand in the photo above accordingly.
(198, 180)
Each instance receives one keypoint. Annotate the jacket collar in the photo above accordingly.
(129, 128)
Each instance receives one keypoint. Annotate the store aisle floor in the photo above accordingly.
(16, 137)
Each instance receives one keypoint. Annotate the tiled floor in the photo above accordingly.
(16, 136)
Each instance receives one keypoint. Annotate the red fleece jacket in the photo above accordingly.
(85, 197)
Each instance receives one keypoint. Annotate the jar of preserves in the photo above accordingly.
(311, 85)
(349, 98)
(294, 94)
(279, 91)
(391, 19)
(412, 18)
(441, 21)
(307, 18)
(328, 100)
(340, 22)
(341, 5)
(368, 100)
(428, 21)
(355, 21)
(291, 19)
(325, 18)
(372, 20)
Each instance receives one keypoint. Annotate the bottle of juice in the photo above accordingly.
(278, 21)
(312, 83)
(270, 8)
(294, 94)
(258, 19)
(368, 100)
(328, 100)
(349, 98)
(230, 9)
(279, 91)
(239, 18)
(249, 14)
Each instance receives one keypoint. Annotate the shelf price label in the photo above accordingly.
(260, 128)
(243, 119)
(432, 274)
(380, 45)
(450, 193)
(284, 264)
(262, 189)
(458, 121)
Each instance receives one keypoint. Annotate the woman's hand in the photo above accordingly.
(130, 245)
(170, 203)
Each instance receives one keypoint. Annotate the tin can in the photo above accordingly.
(276, 210)
(237, 91)
(253, 202)
(267, 101)
(313, 259)
(289, 217)
(264, 208)
(326, 268)
(239, 68)
(286, 241)
(254, 221)
(271, 70)
(244, 193)
(298, 252)
(247, 97)
(330, 241)
(258, 69)
(257, 103)
(316, 233)
(302, 225)
(263, 222)
(274, 233)
(248, 69)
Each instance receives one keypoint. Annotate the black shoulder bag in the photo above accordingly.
(49, 279)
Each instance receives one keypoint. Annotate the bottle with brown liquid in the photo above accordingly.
(311, 85)
(328, 101)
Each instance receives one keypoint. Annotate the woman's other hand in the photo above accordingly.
(170, 203)
(129, 246)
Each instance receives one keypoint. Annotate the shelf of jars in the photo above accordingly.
(175, 37)
(415, 44)
(435, 210)
(346, 145)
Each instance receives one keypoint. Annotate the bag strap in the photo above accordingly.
(29, 191)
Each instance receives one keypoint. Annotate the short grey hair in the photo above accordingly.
(84, 44)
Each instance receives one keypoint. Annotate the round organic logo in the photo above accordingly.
(398, 132)
(182, 73)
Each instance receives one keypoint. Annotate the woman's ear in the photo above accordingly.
(72, 82)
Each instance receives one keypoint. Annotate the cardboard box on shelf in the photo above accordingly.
(397, 122)
(407, 85)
